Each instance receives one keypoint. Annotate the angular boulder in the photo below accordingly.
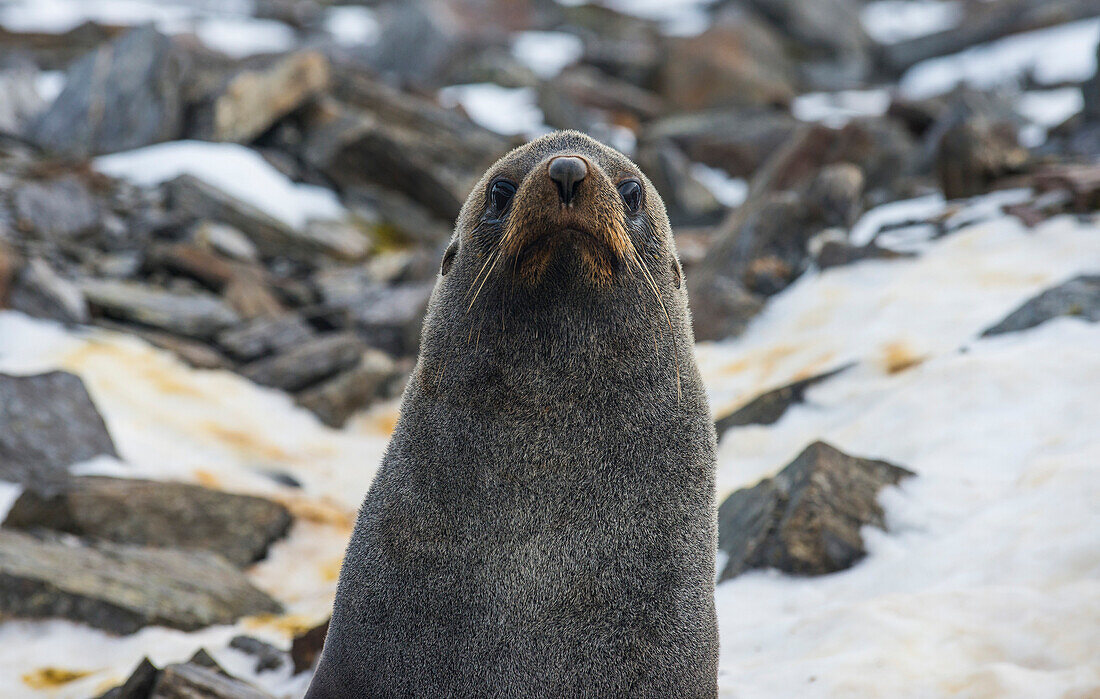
(1079, 297)
(122, 589)
(807, 519)
(47, 423)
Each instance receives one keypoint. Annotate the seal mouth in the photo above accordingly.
(594, 250)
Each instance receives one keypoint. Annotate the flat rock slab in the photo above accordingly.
(188, 680)
(807, 519)
(1079, 297)
(155, 513)
(307, 363)
(122, 588)
(767, 408)
(47, 423)
(197, 315)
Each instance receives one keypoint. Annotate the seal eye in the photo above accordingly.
(501, 193)
(631, 192)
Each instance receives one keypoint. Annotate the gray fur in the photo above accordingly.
(543, 523)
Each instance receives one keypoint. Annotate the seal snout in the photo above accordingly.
(567, 171)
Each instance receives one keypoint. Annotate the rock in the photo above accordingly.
(721, 307)
(735, 140)
(123, 95)
(138, 686)
(156, 513)
(305, 649)
(203, 659)
(189, 681)
(206, 267)
(827, 33)
(390, 317)
(225, 240)
(249, 296)
(21, 98)
(806, 520)
(200, 200)
(197, 315)
(417, 41)
(974, 154)
(263, 336)
(120, 588)
(835, 195)
(60, 208)
(736, 62)
(767, 408)
(251, 101)
(41, 292)
(1079, 298)
(268, 657)
(336, 399)
(837, 253)
(686, 199)
(375, 135)
(307, 363)
(197, 354)
(11, 263)
(47, 423)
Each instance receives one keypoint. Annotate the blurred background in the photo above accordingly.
(220, 223)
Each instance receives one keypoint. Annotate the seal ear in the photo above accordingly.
(676, 272)
(449, 257)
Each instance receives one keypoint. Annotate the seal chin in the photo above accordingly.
(582, 251)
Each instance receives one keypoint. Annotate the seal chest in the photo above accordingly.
(543, 522)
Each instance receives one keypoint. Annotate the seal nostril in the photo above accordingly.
(567, 171)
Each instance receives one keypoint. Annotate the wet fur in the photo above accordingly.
(543, 523)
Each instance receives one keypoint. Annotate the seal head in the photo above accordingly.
(543, 522)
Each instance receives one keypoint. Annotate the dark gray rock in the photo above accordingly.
(335, 400)
(721, 307)
(306, 648)
(47, 423)
(686, 199)
(1079, 298)
(192, 314)
(767, 408)
(156, 513)
(41, 292)
(138, 686)
(806, 520)
(189, 681)
(390, 317)
(836, 253)
(735, 140)
(62, 208)
(976, 152)
(122, 588)
(123, 95)
(263, 336)
(307, 363)
(267, 656)
(193, 352)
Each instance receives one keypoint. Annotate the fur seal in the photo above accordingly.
(543, 522)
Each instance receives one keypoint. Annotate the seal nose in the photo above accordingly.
(567, 171)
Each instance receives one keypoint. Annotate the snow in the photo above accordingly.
(232, 168)
(676, 17)
(895, 213)
(892, 21)
(1064, 53)
(49, 84)
(506, 110)
(352, 25)
(1046, 109)
(546, 53)
(245, 36)
(986, 584)
(729, 191)
(224, 26)
(836, 108)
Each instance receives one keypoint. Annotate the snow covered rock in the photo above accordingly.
(158, 514)
(122, 588)
(47, 423)
(805, 520)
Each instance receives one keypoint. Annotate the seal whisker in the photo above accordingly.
(495, 257)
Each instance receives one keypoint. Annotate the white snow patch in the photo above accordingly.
(676, 17)
(547, 53)
(1065, 53)
(233, 168)
(352, 25)
(898, 212)
(240, 37)
(729, 191)
(837, 108)
(506, 110)
(49, 84)
(891, 21)
(1046, 109)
